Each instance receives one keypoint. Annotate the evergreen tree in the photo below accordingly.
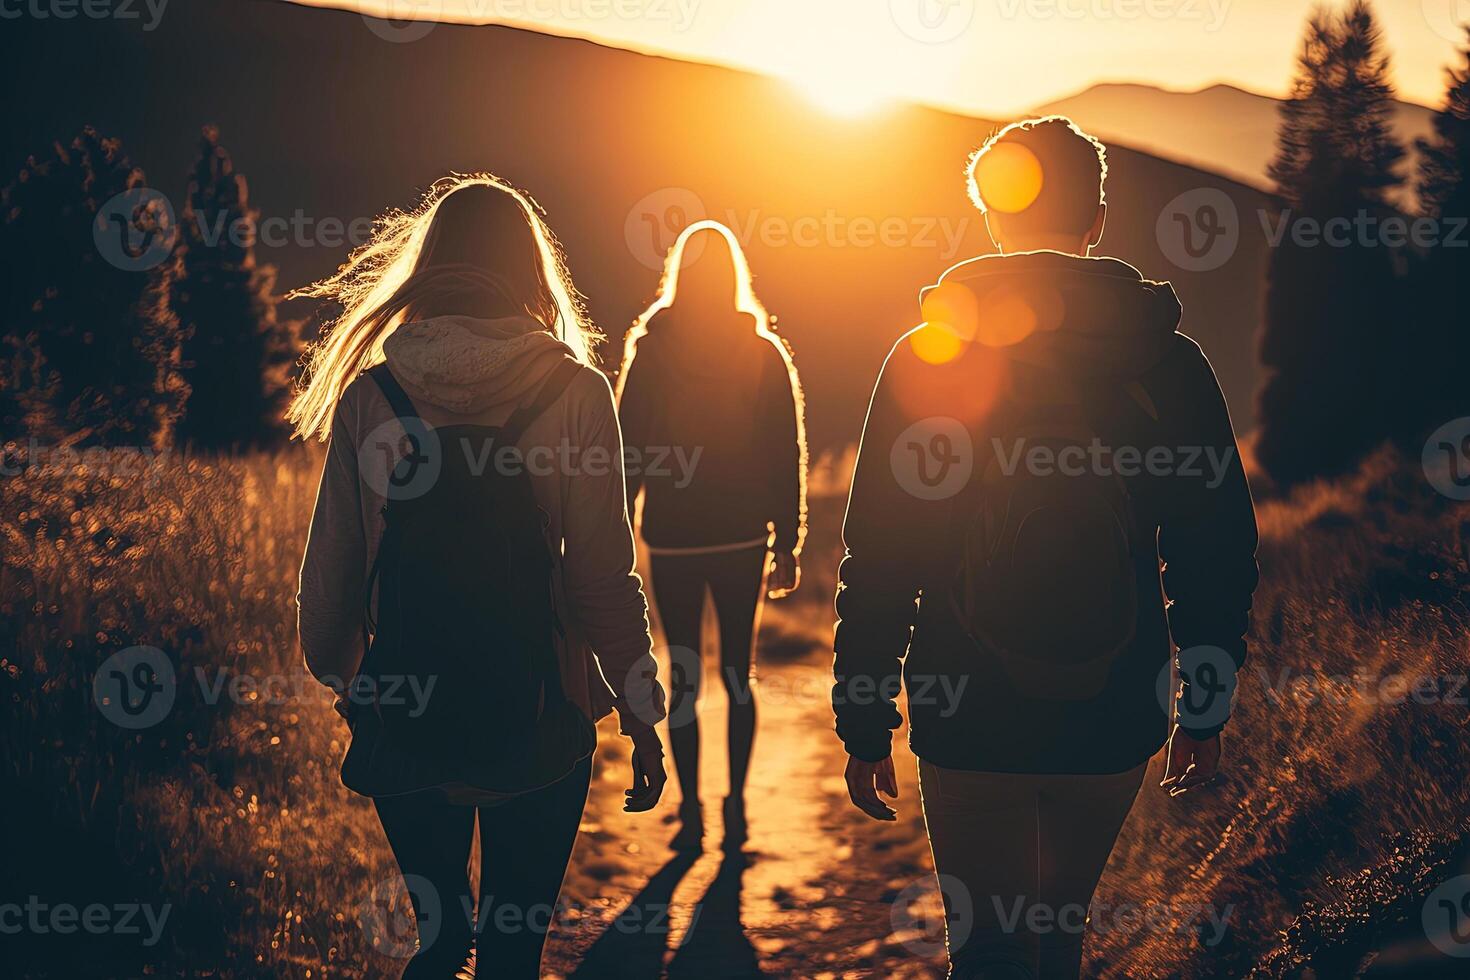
(1442, 276)
(90, 346)
(237, 356)
(1333, 316)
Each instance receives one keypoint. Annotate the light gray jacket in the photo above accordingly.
(463, 370)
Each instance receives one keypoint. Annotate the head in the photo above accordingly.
(1039, 183)
(705, 271)
(475, 246)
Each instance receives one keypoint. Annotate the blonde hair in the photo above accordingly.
(396, 276)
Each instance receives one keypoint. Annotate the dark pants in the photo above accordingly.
(1009, 845)
(524, 846)
(678, 584)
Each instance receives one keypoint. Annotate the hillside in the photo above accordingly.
(1226, 129)
(844, 219)
(1341, 805)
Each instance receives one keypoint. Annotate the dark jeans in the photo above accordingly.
(524, 846)
(678, 584)
(1008, 844)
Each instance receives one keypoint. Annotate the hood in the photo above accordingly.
(1093, 317)
(467, 365)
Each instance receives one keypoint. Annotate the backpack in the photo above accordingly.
(464, 574)
(1046, 584)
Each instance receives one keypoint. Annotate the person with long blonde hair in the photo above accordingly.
(474, 610)
(711, 407)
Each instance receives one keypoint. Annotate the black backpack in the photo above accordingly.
(1046, 584)
(464, 576)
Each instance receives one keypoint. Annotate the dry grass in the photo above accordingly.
(233, 813)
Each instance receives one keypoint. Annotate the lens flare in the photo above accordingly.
(1009, 178)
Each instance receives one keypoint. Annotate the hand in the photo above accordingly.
(865, 780)
(648, 773)
(785, 575)
(1191, 762)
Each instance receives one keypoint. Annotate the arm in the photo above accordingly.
(330, 597)
(602, 584)
(788, 441)
(1208, 538)
(635, 415)
(877, 583)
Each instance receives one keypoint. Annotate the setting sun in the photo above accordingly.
(839, 95)
(840, 83)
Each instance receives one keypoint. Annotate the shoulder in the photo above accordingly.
(590, 384)
(1186, 362)
(774, 348)
(354, 406)
(588, 397)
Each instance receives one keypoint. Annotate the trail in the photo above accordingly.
(812, 896)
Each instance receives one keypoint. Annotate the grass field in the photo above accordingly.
(1342, 805)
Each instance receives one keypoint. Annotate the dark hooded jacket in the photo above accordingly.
(1095, 326)
(715, 441)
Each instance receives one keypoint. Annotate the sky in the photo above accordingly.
(983, 57)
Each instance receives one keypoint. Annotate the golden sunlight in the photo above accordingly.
(847, 80)
(839, 95)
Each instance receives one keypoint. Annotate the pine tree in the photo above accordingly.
(238, 355)
(1442, 277)
(1333, 316)
(90, 345)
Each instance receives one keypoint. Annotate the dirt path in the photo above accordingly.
(814, 894)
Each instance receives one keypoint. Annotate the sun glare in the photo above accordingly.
(840, 96)
(841, 80)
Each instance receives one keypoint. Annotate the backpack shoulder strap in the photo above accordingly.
(551, 389)
(398, 399)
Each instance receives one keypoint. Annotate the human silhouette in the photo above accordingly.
(711, 411)
(1032, 456)
(465, 590)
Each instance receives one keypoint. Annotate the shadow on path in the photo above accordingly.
(716, 944)
(633, 946)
